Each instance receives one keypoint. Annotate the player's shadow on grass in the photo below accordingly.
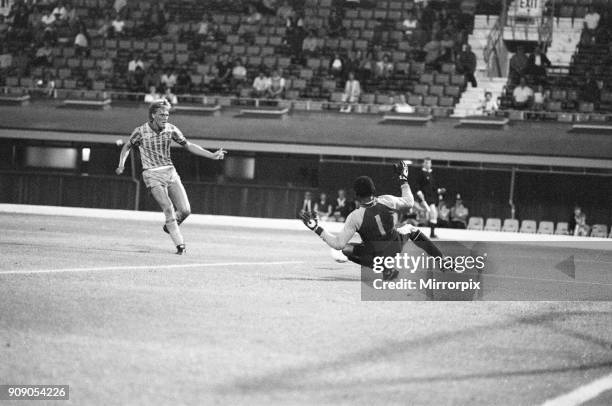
(291, 379)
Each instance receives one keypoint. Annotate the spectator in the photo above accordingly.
(224, 69)
(239, 75)
(538, 62)
(105, 28)
(433, 50)
(277, 86)
(48, 25)
(205, 28)
(6, 61)
(383, 69)
(310, 45)
(323, 207)
(443, 214)
(591, 21)
(518, 65)
(118, 26)
(268, 7)
(152, 78)
(489, 105)
(171, 97)
(106, 67)
(60, 12)
(540, 98)
(343, 206)
(136, 80)
(307, 203)
(254, 17)
(522, 95)
(46, 84)
(336, 66)
(173, 29)
(183, 82)
(334, 24)
(152, 96)
(409, 24)
(577, 225)
(352, 91)
(466, 64)
(119, 5)
(591, 92)
(81, 43)
(4, 29)
(459, 214)
(261, 85)
(44, 55)
(285, 11)
(168, 79)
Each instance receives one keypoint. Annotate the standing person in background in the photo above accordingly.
(153, 140)
(426, 184)
(466, 64)
(352, 91)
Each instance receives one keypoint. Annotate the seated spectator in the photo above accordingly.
(183, 82)
(60, 12)
(152, 78)
(336, 66)
(276, 90)
(310, 45)
(4, 29)
(261, 85)
(591, 21)
(173, 29)
(383, 69)
(352, 91)
(118, 26)
(239, 75)
(433, 50)
(268, 7)
(409, 24)
(106, 67)
(44, 55)
(522, 95)
(518, 65)
(6, 61)
(104, 28)
(540, 97)
(71, 16)
(466, 64)
(577, 225)
(152, 96)
(285, 11)
(45, 85)
(307, 203)
(171, 97)
(168, 79)
(489, 105)
(334, 24)
(443, 214)
(48, 26)
(81, 43)
(343, 206)
(224, 69)
(323, 207)
(538, 62)
(205, 28)
(459, 214)
(136, 80)
(591, 92)
(254, 16)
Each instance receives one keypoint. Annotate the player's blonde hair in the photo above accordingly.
(158, 105)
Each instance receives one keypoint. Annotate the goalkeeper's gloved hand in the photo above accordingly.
(401, 170)
(309, 218)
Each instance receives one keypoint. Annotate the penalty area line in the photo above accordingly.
(583, 393)
(144, 267)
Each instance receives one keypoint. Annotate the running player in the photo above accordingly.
(375, 223)
(153, 140)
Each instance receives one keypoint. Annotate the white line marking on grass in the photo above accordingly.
(583, 393)
(140, 267)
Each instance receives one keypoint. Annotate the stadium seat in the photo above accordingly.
(599, 231)
(528, 227)
(562, 228)
(493, 224)
(511, 226)
(475, 223)
(546, 227)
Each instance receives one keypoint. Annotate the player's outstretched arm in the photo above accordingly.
(199, 151)
(125, 151)
(336, 241)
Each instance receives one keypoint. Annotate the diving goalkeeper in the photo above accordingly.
(374, 221)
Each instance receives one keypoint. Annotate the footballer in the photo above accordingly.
(153, 140)
(374, 221)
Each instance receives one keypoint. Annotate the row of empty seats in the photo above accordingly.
(531, 227)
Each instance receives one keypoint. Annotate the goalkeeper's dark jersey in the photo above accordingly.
(374, 222)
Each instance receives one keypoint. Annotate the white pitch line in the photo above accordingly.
(583, 393)
(139, 267)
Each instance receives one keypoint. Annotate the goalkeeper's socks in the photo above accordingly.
(425, 244)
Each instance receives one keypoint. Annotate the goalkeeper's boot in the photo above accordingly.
(389, 274)
(401, 170)
(180, 249)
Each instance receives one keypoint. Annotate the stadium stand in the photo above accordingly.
(528, 226)
(562, 228)
(493, 224)
(546, 227)
(510, 226)
(475, 223)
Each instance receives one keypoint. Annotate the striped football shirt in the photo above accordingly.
(155, 147)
